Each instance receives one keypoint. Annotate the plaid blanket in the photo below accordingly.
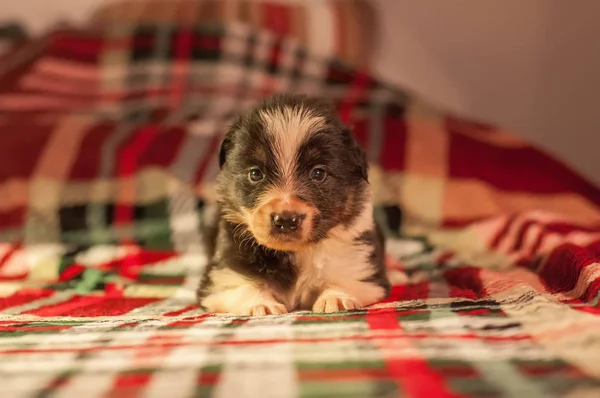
(109, 138)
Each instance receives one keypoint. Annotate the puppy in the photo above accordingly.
(295, 225)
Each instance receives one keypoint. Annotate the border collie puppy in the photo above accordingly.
(295, 228)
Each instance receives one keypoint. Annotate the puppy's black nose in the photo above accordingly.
(286, 221)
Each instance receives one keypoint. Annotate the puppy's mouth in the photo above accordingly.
(282, 223)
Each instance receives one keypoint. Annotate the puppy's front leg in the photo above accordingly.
(353, 271)
(361, 285)
(226, 291)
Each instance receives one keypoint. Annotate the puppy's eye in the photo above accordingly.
(318, 174)
(255, 175)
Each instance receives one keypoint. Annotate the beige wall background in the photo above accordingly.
(530, 65)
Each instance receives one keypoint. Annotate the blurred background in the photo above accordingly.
(530, 66)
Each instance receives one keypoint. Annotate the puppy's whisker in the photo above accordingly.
(237, 231)
(245, 238)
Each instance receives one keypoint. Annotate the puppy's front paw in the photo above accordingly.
(246, 299)
(333, 301)
(267, 308)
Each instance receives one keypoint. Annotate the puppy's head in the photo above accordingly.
(291, 172)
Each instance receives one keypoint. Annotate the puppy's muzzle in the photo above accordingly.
(283, 222)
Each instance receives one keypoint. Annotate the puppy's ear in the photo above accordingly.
(228, 140)
(225, 146)
(359, 157)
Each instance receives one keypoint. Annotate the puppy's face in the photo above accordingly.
(290, 173)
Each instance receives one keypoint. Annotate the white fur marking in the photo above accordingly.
(240, 296)
(289, 128)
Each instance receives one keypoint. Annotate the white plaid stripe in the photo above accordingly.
(177, 380)
(173, 383)
(80, 385)
(257, 375)
(506, 243)
(321, 41)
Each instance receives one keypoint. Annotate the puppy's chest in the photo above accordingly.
(329, 262)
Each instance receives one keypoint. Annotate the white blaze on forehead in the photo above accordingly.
(289, 127)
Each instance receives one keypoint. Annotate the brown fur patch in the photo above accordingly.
(260, 154)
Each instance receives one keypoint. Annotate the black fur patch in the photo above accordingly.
(374, 238)
(246, 257)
